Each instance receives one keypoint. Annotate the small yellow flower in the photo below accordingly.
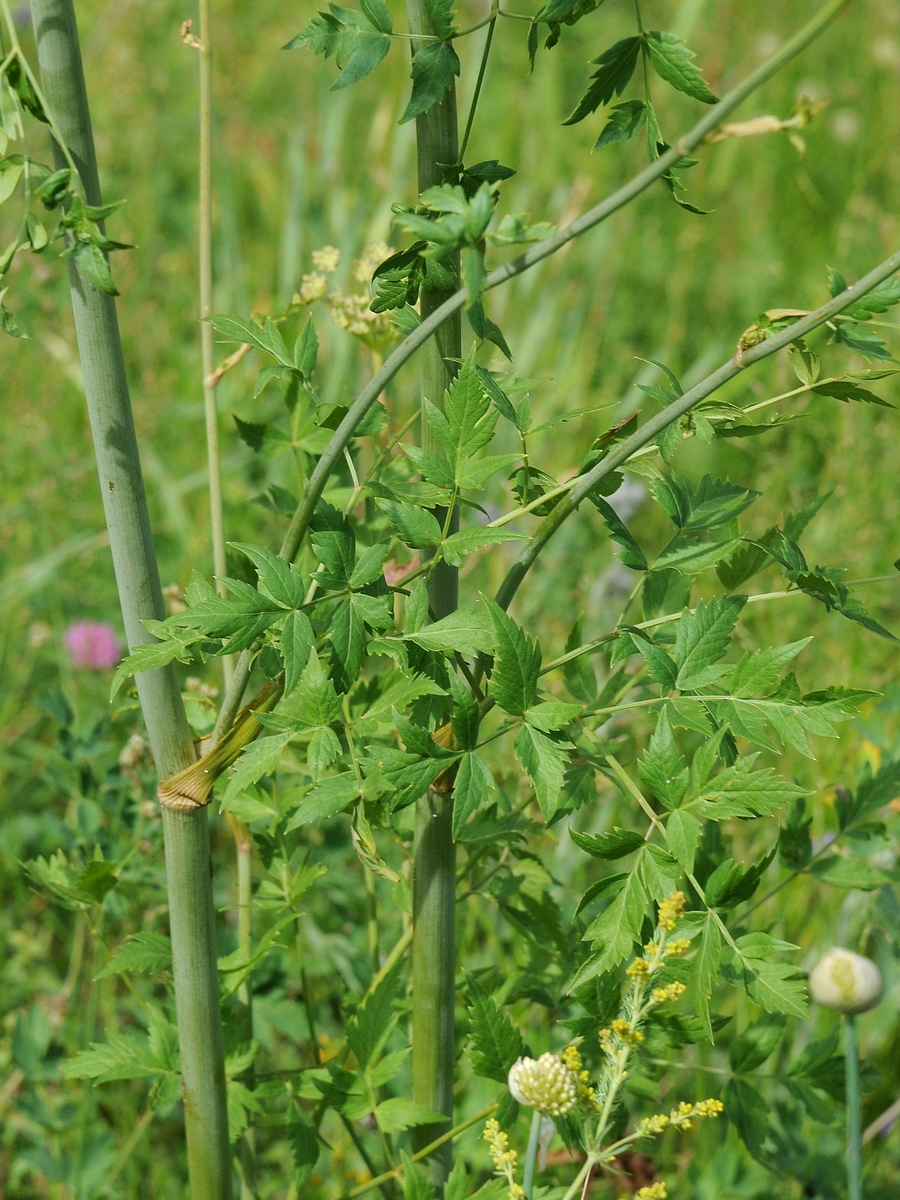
(371, 257)
(312, 287)
(656, 1191)
(671, 992)
(327, 259)
(653, 1124)
(678, 947)
(639, 969)
(631, 1037)
(709, 1108)
(545, 1083)
(671, 910)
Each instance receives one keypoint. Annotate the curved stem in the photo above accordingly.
(621, 453)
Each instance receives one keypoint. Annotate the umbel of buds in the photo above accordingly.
(545, 1083)
(846, 982)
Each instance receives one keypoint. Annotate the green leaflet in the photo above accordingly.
(673, 61)
(143, 952)
(471, 788)
(434, 68)
(358, 40)
(661, 767)
(615, 68)
(469, 631)
(702, 638)
(466, 541)
(398, 1113)
(615, 844)
(624, 121)
(416, 526)
(517, 664)
(772, 985)
(373, 1021)
(545, 760)
(630, 553)
(260, 758)
(614, 933)
(324, 800)
(496, 1042)
(706, 970)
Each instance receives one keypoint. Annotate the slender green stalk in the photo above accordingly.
(854, 1111)
(453, 304)
(434, 852)
(191, 910)
(646, 434)
(531, 1154)
(425, 1151)
(243, 843)
(207, 346)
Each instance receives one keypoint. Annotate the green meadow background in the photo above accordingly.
(298, 167)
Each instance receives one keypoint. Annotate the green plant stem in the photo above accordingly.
(854, 1111)
(424, 1152)
(531, 1154)
(482, 71)
(243, 845)
(426, 329)
(191, 913)
(207, 345)
(434, 852)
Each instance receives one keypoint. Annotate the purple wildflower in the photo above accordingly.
(93, 644)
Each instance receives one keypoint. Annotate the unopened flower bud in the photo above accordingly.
(846, 981)
(544, 1083)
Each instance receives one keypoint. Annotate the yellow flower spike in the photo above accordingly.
(639, 969)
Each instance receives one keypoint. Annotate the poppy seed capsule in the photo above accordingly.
(846, 982)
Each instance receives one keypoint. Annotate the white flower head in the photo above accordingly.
(545, 1083)
(846, 981)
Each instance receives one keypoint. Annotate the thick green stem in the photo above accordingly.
(434, 853)
(854, 1111)
(192, 929)
(243, 845)
(191, 910)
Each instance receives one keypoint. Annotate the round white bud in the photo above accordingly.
(846, 981)
(545, 1083)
